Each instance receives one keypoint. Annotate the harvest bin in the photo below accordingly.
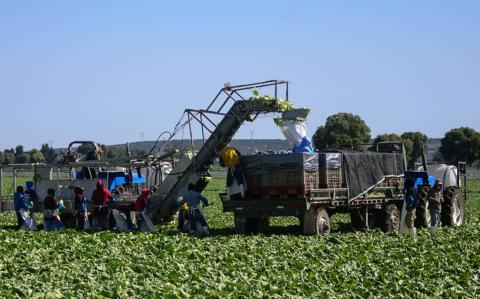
(280, 175)
(330, 170)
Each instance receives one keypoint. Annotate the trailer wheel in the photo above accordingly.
(453, 208)
(316, 222)
(423, 218)
(322, 222)
(390, 220)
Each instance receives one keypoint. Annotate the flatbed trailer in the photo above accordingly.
(380, 207)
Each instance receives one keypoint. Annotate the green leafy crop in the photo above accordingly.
(281, 264)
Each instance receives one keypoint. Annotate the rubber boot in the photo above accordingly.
(242, 190)
(412, 232)
(229, 193)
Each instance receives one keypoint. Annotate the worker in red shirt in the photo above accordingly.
(100, 197)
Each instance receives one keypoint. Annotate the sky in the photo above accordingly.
(123, 71)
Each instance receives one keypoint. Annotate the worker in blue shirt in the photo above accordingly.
(19, 204)
(22, 208)
(196, 216)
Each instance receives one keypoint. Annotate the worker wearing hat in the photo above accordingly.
(435, 200)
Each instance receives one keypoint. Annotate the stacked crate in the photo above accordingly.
(330, 170)
(282, 175)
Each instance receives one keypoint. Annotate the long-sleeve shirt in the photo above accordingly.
(80, 204)
(19, 201)
(193, 199)
(101, 196)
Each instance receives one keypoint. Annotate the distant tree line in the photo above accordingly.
(346, 130)
(47, 154)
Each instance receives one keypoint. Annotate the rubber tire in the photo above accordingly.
(422, 214)
(316, 222)
(452, 195)
(390, 218)
(322, 222)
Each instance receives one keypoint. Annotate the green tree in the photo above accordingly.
(342, 130)
(36, 156)
(48, 152)
(1, 157)
(461, 144)
(416, 143)
(8, 158)
(20, 155)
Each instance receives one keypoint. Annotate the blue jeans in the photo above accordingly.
(435, 216)
(195, 216)
(49, 224)
(19, 219)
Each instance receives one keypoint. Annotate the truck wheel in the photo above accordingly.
(390, 218)
(316, 221)
(422, 214)
(453, 208)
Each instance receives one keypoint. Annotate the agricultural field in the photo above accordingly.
(281, 264)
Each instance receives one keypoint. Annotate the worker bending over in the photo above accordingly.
(196, 216)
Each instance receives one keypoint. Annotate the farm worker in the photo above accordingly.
(141, 205)
(435, 200)
(19, 204)
(230, 158)
(80, 207)
(196, 216)
(411, 201)
(101, 196)
(50, 215)
(25, 219)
